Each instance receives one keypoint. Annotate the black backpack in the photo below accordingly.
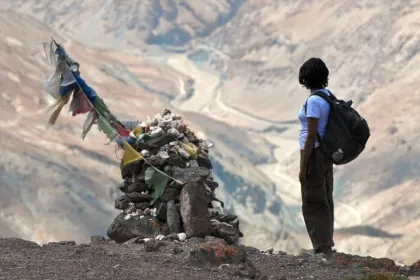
(346, 133)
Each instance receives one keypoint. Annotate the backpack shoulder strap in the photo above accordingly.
(330, 99)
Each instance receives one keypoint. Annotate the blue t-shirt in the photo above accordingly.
(318, 108)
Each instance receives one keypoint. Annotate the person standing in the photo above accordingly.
(316, 170)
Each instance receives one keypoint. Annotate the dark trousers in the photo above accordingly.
(317, 201)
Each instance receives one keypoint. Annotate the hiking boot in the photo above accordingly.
(327, 252)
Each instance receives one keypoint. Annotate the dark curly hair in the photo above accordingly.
(313, 74)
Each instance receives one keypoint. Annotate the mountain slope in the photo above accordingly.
(132, 23)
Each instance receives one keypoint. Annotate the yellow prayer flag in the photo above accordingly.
(130, 154)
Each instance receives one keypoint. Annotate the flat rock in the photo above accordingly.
(133, 241)
(190, 175)
(160, 141)
(142, 205)
(369, 262)
(137, 186)
(122, 230)
(194, 211)
(139, 197)
(157, 161)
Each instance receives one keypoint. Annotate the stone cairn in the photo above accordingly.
(170, 193)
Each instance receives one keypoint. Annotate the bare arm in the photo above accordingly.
(310, 142)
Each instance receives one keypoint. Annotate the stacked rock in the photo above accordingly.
(171, 189)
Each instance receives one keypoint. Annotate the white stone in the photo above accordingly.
(182, 236)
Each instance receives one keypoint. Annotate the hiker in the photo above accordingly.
(316, 170)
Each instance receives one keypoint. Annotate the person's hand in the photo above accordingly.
(302, 177)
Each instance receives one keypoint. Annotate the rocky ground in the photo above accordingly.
(208, 258)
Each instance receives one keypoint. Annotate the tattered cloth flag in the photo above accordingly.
(66, 81)
(130, 154)
(61, 101)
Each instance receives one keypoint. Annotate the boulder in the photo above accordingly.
(194, 211)
(122, 230)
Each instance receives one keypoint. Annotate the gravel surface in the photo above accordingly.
(21, 259)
